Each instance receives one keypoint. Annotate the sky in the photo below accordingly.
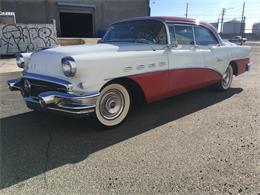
(208, 10)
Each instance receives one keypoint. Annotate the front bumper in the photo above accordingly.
(65, 101)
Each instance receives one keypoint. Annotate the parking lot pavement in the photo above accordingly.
(8, 65)
(203, 142)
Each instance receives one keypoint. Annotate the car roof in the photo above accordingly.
(175, 20)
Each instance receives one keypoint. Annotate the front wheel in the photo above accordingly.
(113, 105)
(225, 83)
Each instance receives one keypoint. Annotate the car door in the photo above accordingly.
(215, 56)
(186, 59)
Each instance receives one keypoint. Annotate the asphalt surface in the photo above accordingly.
(203, 142)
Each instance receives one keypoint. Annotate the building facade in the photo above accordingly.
(215, 24)
(232, 27)
(76, 18)
(256, 28)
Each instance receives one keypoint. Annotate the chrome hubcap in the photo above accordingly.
(226, 78)
(111, 104)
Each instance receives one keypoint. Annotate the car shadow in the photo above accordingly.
(33, 143)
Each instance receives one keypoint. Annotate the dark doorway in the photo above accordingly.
(76, 25)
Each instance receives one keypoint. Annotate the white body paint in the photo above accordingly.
(97, 64)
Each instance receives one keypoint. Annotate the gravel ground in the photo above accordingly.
(203, 142)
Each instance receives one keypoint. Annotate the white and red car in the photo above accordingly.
(156, 57)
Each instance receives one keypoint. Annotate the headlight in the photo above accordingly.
(20, 60)
(68, 66)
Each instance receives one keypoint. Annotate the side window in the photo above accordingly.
(184, 34)
(172, 32)
(204, 37)
(162, 36)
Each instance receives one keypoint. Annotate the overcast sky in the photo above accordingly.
(208, 10)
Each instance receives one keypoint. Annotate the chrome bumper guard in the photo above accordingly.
(66, 102)
(249, 66)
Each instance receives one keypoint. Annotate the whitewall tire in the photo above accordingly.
(225, 83)
(113, 105)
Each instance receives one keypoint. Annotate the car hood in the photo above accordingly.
(48, 61)
(102, 47)
(80, 49)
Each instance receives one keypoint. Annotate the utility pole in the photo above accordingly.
(242, 26)
(218, 22)
(222, 19)
(187, 8)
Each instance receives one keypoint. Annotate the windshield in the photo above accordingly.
(140, 31)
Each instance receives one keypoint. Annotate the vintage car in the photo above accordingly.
(150, 57)
(238, 40)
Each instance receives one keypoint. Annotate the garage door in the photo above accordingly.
(76, 25)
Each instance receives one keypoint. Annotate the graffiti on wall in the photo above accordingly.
(26, 37)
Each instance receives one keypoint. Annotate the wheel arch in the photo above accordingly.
(234, 67)
(136, 90)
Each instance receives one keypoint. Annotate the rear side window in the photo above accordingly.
(172, 32)
(204, 37)
(184, 35)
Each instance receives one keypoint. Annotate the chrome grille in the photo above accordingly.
(33, 87)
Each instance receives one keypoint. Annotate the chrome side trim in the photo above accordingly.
(173, 69)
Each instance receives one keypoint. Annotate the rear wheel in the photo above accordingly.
(113, 105)
(225, 83)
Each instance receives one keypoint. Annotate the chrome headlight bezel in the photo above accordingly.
(20, 61)
(69, 67)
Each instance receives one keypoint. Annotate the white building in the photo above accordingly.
(7, 17)
(232, 27)
(256, 28)
(215, 24)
